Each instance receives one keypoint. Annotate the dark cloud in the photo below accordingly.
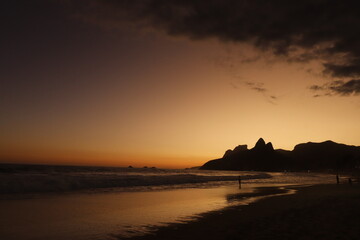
(316, 88)
(348, 70)
(344, 88)
(325, 29)
(259, 87)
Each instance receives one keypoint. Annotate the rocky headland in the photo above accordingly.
(326, 155)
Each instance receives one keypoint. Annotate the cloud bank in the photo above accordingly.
(343, 88)
(299, 30)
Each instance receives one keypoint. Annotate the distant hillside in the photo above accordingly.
(306, 156)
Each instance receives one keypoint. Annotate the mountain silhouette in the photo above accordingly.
(326, 155)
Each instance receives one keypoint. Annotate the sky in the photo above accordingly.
(174, 83)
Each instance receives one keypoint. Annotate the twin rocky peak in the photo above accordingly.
(260, 146)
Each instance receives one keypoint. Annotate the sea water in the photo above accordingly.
(53, 202)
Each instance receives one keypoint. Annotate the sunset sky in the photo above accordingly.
(171, 83)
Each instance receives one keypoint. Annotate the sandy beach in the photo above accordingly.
(314, 212)
(183, 210)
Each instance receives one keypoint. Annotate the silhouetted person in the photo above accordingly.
(239, 182)
(337, 179)
(350, 181)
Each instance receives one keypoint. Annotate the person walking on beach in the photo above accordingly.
(239, 182)
(337, 179)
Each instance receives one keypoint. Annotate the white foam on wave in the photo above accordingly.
(53, 179)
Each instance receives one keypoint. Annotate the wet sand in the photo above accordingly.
(99, 215)
(313, 212)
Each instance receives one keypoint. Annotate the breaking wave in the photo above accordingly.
(36, 178)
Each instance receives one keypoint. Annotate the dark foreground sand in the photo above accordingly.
(314, 212)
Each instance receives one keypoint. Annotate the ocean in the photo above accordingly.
(70, 202)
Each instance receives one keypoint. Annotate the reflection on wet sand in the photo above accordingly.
(88, 215)
(83, 215)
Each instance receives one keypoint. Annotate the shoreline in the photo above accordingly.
(326, 211)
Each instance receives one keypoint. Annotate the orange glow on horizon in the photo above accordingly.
(102, 159)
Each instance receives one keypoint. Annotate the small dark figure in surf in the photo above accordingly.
(350, 181)
(239, 182)
(337, 179)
